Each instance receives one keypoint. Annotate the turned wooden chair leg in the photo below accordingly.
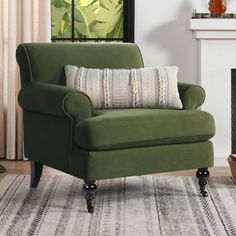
(89, 188)
(36, 172)
(203, 175)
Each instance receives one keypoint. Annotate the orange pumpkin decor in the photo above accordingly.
(217, 6)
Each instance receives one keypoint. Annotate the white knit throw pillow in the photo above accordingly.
(154, 87)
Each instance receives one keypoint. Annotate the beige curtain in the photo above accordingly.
(20, 21)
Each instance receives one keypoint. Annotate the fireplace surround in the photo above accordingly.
(216, 46)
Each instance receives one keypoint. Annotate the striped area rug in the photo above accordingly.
(134, 206)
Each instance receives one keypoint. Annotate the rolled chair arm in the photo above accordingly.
(55, 100)
(192, 96)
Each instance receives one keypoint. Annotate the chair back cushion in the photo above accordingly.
(45, 62)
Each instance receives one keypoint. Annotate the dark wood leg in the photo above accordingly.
(89, 188)
(2, 169)
(202, 175)
(36, 172)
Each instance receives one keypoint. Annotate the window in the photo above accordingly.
(92, 20)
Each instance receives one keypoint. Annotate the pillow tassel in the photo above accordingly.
(134, 88)
(106, 88)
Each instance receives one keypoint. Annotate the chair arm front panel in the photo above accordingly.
(48, 139)
(192, 96)
(55, 100)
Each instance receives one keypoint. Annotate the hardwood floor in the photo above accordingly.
(23, 168)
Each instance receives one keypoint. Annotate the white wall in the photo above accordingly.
(164, 39)
(162, 34)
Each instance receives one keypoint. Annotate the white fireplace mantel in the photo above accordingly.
(213, 28)
(216, 57)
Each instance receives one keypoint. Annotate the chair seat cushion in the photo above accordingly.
(127, 128)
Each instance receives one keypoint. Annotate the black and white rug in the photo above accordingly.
(134, 206)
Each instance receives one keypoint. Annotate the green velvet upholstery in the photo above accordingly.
(48, 139)
(55, 100)
(63, 131)
(143, 128)
(140, 161)
(45, 62)
(192, 96)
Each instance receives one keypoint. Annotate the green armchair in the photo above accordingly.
(63, 131)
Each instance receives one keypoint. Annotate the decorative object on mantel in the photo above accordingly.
(196, 15)
(2, 169)
(232, 163)
(217, 6)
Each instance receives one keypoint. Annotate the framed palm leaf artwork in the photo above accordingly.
(92, 20)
